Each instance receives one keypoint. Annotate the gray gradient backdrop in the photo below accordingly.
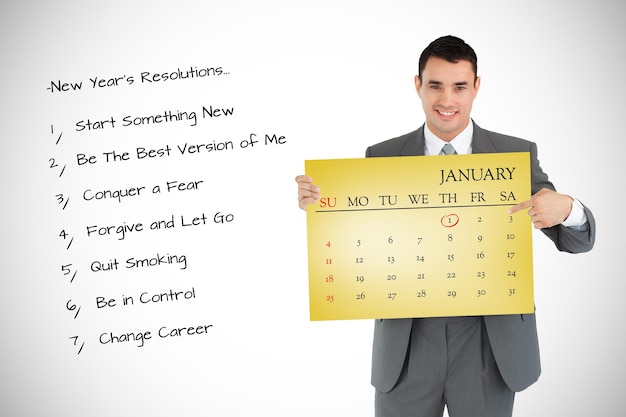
(333, 77)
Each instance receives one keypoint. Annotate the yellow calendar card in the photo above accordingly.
(420, 236)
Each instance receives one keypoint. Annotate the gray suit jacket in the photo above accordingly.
(513, 338)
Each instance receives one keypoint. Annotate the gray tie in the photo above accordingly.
(448, 150)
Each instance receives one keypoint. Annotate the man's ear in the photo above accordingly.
(418, 85)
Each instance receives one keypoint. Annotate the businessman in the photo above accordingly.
(471, 365)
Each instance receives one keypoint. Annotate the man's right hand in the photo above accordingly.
(307, 191)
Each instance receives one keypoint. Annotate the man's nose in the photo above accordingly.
(446, 97)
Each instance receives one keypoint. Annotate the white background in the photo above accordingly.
(332, 77)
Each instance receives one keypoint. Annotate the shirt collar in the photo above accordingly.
(462, 142)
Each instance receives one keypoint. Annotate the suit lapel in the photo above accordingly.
(481, 142)
(415, 143)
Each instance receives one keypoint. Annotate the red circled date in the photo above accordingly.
(450, 220)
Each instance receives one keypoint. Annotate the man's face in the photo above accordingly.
(447, 91)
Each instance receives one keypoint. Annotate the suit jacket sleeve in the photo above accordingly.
(565, 239)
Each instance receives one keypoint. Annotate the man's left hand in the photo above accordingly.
(547, 208)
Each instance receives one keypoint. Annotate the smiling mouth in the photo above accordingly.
(446, 113)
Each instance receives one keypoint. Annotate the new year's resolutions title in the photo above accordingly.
(149, 77)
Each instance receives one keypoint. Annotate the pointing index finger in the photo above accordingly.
(521, 206)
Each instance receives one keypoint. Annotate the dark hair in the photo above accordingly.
(450, 48)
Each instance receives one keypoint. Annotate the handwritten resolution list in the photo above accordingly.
(103, 222)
